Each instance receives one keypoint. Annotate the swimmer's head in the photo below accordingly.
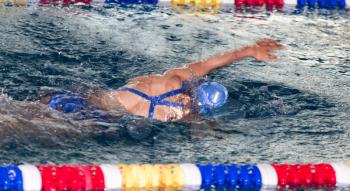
(210, 96)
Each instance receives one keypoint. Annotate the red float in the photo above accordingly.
(85, 171)
(97, 178)
(279, 4)
(249, 2)
(239, 3)
(324, 175)
(282, 174)
(259, 3)
(48, 177)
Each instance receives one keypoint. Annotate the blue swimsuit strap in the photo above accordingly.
(156, 100)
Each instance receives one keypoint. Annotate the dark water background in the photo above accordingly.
(293, 110)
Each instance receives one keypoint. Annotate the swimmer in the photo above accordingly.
(165, 97)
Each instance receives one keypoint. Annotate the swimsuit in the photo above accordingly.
(157, 100)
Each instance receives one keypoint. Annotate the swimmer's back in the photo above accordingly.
(151, 85)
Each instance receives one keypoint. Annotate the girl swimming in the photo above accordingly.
(169, 96)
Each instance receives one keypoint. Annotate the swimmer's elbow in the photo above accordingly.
(188, 71)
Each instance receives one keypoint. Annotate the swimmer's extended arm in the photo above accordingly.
(260, 51)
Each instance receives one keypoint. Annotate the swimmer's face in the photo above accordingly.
(210, 96)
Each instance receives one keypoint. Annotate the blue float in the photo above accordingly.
(10, 179)
(301, 4)
(232, 176)
(311, 4)
(332, 4)
(207, 175)
(219, 175)
(341, 4)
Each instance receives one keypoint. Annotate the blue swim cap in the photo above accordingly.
(211, 95)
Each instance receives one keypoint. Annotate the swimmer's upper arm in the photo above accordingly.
(196, 69)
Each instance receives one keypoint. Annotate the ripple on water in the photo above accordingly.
(294, 110)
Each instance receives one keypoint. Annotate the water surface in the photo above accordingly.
(293, 110)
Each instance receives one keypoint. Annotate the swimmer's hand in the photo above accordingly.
(263, 48)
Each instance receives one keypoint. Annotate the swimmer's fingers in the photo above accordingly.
(263, 48)
(275, 46)
(269, 44)
(265, 56)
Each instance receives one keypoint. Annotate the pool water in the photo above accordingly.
(293, 110)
